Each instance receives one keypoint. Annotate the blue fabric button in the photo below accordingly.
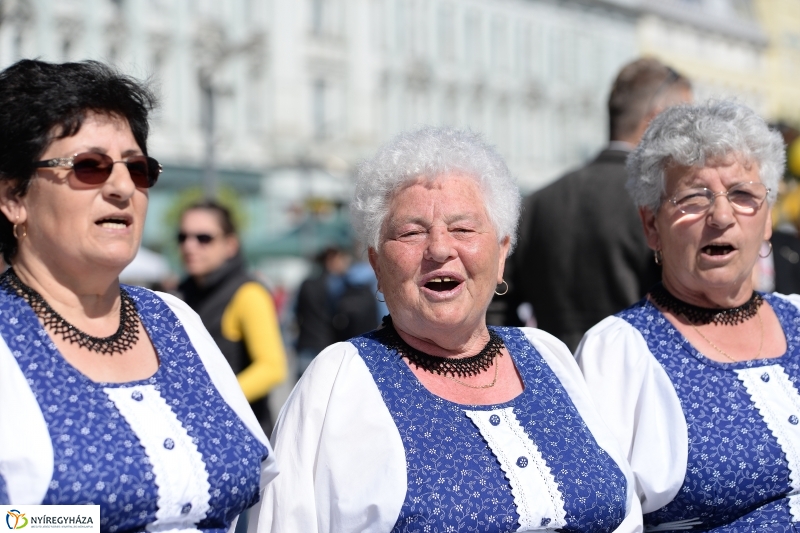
(764, 377)
(522, 462)
(545, 521)
(169, 444)
(494, 420)
(137, 395)
(793, 420)
(186, 508)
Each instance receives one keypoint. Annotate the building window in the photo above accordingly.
(317, 16)
(446, 27)
(318, 109)
(499, 43)
(472, 38)
(66, 49)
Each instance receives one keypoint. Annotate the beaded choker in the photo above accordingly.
(125, 338)
(464, 367)
(704, 315)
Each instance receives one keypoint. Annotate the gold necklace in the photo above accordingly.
(760, 344)
(489, 386)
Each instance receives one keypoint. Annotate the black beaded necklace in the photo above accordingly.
(125, 338)
(704, 315)
(464, 367)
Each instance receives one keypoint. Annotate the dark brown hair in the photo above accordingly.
(41, 102)
(223, 214)
(639, 86)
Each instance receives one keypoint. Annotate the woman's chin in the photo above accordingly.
(112, 260)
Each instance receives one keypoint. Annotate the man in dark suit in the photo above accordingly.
(582, 254)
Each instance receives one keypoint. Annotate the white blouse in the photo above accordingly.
(343, 460)
(736, 411)
(159, 452)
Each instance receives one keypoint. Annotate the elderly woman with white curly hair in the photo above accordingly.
(698, 380)
(436, 422)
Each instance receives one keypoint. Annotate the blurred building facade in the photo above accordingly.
(279, 99)
(719, 44)
(780, 20)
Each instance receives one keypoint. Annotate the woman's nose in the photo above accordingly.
(119, 184)
(720, 213)
(440, 246)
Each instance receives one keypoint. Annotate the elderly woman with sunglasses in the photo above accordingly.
(109, 395)
(699, 380)
(437, 422)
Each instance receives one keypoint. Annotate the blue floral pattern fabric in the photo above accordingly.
(97, 456)
(3, 491)
(737, 475)
(455, 483)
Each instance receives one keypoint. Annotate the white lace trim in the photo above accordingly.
(179, 469)
(678, 525)
(794, 506)
(778, 402)
(539, 502)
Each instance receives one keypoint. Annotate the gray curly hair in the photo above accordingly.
(433, 152)
(689, 135)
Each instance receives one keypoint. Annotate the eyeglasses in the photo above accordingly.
(745, 198)
(202, 238)
(91, 168)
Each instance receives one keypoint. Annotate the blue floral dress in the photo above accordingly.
(743, 464)
(167, 452)
(528, 462)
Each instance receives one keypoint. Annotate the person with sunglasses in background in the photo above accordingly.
(698, 381)
(236, 309)
(110, 395)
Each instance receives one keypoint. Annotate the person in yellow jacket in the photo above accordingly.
(236, 309)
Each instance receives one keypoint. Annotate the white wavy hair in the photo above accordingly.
(431, 153)
(690, 135)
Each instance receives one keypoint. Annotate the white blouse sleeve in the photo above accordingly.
(638, 402)
(562, 363)
(340, 454)
(26, 451)
(222, 377)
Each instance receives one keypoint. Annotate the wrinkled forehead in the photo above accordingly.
(724, 170)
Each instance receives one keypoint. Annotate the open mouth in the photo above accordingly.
(113, 223)
(442, 284)
(717, 249)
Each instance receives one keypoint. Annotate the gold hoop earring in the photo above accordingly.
(657, 257)
(14, 231)
(504, 282)
(376, 296)
(768, 253)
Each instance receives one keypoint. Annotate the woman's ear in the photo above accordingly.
(768, 226)
(10, 202)
(231, 245)
(505, 244)
(650, 229)
(372, 255)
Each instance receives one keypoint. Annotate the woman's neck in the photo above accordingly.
(725, 297)
(446, 344)
(93, 295)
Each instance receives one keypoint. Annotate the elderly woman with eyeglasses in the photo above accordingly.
(437, 422)
(110, 395)
(698, 380)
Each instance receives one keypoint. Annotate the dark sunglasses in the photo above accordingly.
(91, 168)
(202, 238)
